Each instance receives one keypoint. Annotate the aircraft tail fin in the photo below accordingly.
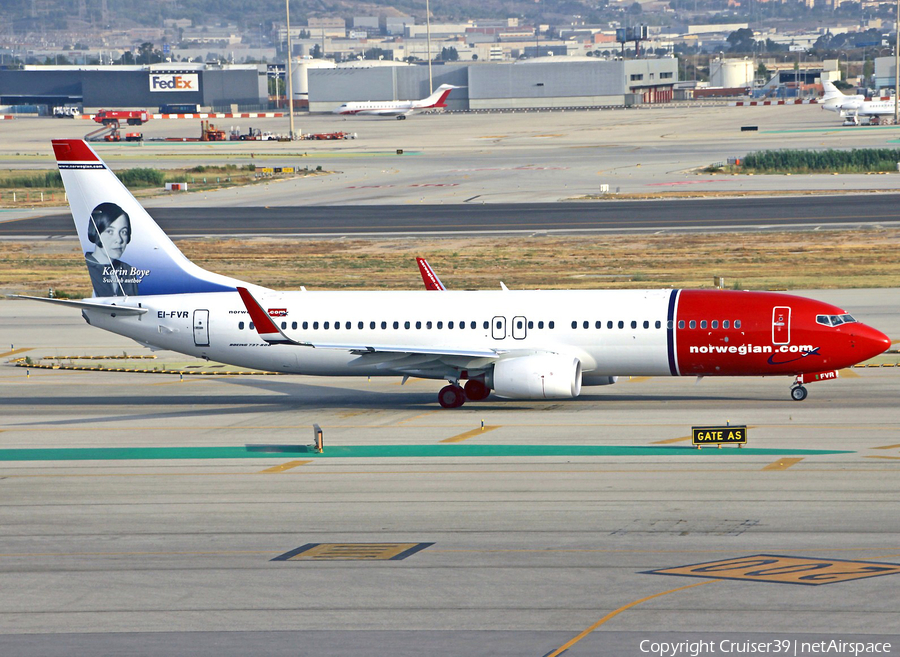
(126, 252)
(437, 98)
(831, 91)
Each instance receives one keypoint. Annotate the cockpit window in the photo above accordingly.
(834, 320)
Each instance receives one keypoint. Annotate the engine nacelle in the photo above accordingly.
(596, 380)
(542, 376)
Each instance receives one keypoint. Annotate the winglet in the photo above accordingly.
(431, 280)
(266, 328)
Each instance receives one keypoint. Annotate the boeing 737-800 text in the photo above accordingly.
(518, 344)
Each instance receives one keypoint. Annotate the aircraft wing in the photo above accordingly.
(382, 112)
(84, 304)
(269, 331)
(431, 280)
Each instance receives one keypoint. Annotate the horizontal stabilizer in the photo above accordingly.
(83, 304)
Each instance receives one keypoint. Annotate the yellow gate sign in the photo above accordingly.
(727, 435)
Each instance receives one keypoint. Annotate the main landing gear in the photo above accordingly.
(453, 396)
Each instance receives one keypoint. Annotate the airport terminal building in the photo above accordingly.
(543, 82)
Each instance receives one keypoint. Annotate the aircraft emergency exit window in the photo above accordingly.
(294, 326)
(574, 324)
(240, 326)
(715, 324)
(703, 323)
(737, 323)
(406, 325)
(726, 324)
(551, 324)
(519, 324)
(418, 325)
(633, 324)
(621, 324)
(693, 324)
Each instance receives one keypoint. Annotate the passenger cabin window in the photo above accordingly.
(396, 325)
(633, 324)
(251, 326)
(449, 325)
(725, 324)
(680, 323)
(428, 325)
(541, 324)
(283, 326)
(703, 323)
(360, 325)
(440, 325)
(487, 325)
(347, 326)
(737, 323)
(294, 326)
(693, 323)
(551, 324)
(609, 324)
(714, 324)
(241, 326)
(418, 325)
(621, 324)
(383, 325)
(585, 325)
(659, 324)
(574, 325)
(315, 325)
(474, 325)
(530, 324)
(406, 325)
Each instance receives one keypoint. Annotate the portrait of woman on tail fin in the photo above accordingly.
(109, 229)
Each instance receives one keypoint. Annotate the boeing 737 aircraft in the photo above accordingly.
(518, 344)
(853, 107)
(399, 108)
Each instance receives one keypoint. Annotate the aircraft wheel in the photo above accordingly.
(798, 393)
(401, 118)
(451, 397)
(476, 390)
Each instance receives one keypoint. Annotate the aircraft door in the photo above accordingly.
(519, 328)
(498, 328)
(781, 325)
(201, 328)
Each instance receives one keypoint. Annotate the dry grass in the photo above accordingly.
(790, 260)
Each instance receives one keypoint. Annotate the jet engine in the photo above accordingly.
(541, 376)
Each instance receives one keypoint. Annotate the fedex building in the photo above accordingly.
(210, 86)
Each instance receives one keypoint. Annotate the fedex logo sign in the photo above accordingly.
(174, 82)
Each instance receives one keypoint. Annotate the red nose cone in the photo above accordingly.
(870, 342)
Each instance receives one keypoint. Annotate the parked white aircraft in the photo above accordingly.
(520, 344)
(852, 107)
(399, 108)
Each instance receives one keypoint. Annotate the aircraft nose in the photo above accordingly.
(871, 342)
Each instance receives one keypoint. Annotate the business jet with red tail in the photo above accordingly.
(516, 344)
(399, 108)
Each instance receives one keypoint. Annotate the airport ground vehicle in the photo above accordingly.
(519, 344)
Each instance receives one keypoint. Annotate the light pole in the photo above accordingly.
(288, 67)
(428, 43)
(897, 68)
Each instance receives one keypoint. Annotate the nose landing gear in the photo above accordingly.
(798, 392)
